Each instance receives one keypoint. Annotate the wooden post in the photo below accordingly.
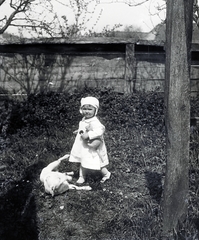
(130, 67)
(177, 112)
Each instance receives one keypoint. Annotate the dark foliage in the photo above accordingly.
(40, 129)
(40, 112)
(194, 106)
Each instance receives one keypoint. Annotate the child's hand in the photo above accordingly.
(75, 132)
(84, 136)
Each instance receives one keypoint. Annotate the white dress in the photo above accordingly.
(89, 157)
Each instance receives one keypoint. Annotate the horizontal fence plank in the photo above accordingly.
(123, 66)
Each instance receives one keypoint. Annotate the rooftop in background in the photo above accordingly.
(154, 37)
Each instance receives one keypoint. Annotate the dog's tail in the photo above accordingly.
(86, 188)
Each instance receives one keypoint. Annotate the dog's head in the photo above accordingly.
(56, 183)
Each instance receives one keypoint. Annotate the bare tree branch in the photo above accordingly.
(40, 17)
(19, 7)
(24, 15)
(131, 3)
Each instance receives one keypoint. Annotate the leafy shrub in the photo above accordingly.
(63, 109)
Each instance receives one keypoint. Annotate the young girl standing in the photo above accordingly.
(89, 148)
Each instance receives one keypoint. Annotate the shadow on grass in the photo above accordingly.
(18, 209)
(154, 184)
(196, 223)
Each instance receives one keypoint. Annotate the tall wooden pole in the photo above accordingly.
(177, 111)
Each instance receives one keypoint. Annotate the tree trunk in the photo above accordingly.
(177, 111)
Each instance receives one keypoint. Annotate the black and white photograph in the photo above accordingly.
(99, 120)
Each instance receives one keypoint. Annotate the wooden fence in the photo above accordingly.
(123, 65)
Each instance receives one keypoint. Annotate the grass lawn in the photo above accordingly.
(128, 206)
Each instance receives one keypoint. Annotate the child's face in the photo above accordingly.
(88, 111)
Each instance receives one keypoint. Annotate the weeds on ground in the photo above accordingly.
(126, 207)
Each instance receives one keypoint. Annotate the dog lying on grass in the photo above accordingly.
(55, 182)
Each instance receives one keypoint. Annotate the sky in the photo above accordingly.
(109, 13)
(143, 16)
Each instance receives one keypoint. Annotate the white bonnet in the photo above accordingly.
(90, 101)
